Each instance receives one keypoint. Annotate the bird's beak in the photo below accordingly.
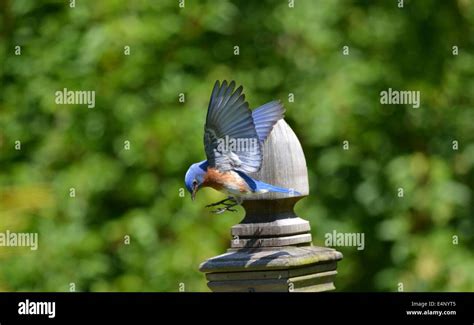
(193, 194)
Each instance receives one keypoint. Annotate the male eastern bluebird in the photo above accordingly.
(233, 141)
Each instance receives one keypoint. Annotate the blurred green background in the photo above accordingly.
(283, 50)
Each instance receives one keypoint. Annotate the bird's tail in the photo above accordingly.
(264, 187)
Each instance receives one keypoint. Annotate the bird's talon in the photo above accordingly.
(223, 202)
(222, 210)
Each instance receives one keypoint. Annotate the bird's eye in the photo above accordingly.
(195, 183)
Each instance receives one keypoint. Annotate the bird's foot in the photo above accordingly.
(222, 210)
(227, 206)
(221, 202)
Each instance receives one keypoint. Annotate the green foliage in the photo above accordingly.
(283, 50)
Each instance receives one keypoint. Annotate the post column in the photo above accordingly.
(271, 248)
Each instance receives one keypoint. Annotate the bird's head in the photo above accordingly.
(195, 177)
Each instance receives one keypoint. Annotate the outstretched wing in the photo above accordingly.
(230, 138)
(266, 116)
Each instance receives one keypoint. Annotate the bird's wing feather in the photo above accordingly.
(229, 115)
(266, 116)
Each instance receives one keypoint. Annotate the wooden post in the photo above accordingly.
(271, 247)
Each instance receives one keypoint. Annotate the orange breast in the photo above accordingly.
(220, 181)
(213, 179)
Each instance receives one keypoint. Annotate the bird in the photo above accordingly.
(233, 141)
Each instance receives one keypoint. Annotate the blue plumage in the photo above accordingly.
(257, 186)
(265, 117)
(229, 116)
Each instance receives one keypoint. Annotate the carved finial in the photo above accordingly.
(284, 163)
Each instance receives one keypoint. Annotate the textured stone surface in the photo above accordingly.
(281, 227)
(271, 242)
(275, 274)
(276, 270)
(312, 282)
(269, 258)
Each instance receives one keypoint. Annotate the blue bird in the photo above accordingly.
(233, 142)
